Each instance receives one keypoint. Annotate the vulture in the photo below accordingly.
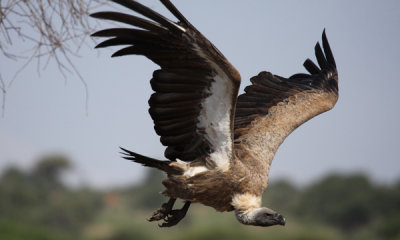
(219, 146)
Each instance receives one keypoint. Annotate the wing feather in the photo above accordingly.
(130, 20)
(272, 107)
(195, 89)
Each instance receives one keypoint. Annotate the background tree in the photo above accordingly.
(40, 203)
(51, 31)
(48, 171)
(346, 202)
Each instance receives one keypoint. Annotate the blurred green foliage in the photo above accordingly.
(39, 200)
(37, 204)
(343, 201)
(144, 194)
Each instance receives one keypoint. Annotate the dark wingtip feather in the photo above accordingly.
(94, 15)
(124, 51)
(324, 57)
(320, 56)
(111, 32)
(129, 19)
(175, 11)
(96, 34)
(149, 13)
(114, 42)
(311, 67)
(327, 49)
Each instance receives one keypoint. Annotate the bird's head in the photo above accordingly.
(262, 217)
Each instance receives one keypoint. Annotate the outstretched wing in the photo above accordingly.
(273, 106)
(195, 89)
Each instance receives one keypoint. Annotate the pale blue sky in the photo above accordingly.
(46, 113)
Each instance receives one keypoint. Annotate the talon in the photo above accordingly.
(163, 211)
(157, 215)
(175, 216)
(170, 217)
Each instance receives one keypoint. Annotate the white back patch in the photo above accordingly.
(215, 116)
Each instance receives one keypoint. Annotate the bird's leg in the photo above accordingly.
(175, 216)
(163, 211)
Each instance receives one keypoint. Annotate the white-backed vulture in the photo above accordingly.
(219, 145)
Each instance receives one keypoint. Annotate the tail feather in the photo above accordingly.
(147, 161)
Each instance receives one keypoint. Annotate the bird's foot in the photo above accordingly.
(174, 217)
(170, 217)
(163, 211)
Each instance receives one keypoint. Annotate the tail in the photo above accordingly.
(148, 162)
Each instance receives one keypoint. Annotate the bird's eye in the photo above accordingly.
(267, 215)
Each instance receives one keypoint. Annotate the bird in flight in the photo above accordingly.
(219, 145)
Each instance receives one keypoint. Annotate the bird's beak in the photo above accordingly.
(281, 220)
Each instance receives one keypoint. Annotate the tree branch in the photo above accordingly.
(52, 30)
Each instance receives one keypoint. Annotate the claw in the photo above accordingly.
(170, 217)
(175, 216)
(157, 215)
(163, 211)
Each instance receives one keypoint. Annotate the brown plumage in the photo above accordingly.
(219, 145)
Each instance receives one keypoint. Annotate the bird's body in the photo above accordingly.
(220, 146)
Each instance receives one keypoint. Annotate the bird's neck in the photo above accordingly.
(246, 217)
(246, 206)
